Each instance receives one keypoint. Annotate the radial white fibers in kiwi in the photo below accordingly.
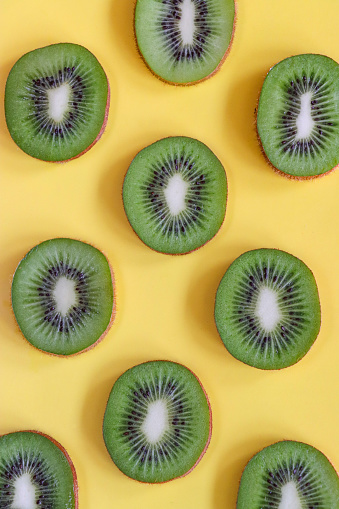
(56, 101)
(289, 475)
(174, 195)
(298, 116)
(184, 41)
(63, 296)
(158, 422)
(36, 471)
(267, 309)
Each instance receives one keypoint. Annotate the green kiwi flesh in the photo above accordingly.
(174, 195)
(63, 296)
(36, 471)
(298, 116)
(267, 309)
(157, 424)
(289, 475)
(56, 102)
(184, 41)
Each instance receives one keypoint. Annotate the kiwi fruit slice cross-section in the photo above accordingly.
(158, 422)
(184, 41)
(289, 475)
(298, 116)
(36, 472)
(267, 309)
(56, 102)
(63, 296)
(174, 195)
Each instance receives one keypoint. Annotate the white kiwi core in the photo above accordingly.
(58, 99)
(267, 309)
(186, 23)
(175, 193)
(65, 295)
(304, 120)
(156, 421)
(24, 493)
(290, 497)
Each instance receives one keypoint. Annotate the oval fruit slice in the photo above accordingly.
(157, 424)
(56, 102)
(298, 116)
(184, 41)
(289, 475)
(267, 309)
(63, 296)
(174, 195)
(36, 471)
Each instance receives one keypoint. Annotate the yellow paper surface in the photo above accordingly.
(165, 304)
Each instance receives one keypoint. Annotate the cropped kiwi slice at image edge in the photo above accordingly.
(56, 102)
(158, 422)
(267, 309)
(184, 41)
(174, 195)
(289, 475)
(298, 116)
(63, 296)
(36, 471)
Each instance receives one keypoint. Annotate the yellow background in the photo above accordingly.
(165, 304)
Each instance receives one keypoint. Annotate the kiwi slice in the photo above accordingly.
(298, 116)
(36, 471)
(267, 309)
(184, 41)
(56, 102)
(157, 423)
(289, 475)
(63, 296)
(174, 195)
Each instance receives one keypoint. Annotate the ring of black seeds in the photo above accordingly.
(196, 196)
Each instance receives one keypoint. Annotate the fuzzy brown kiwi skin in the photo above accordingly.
(202, 79)
(67, 456)
(113, 314)
(208, 438)
(274, 168)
